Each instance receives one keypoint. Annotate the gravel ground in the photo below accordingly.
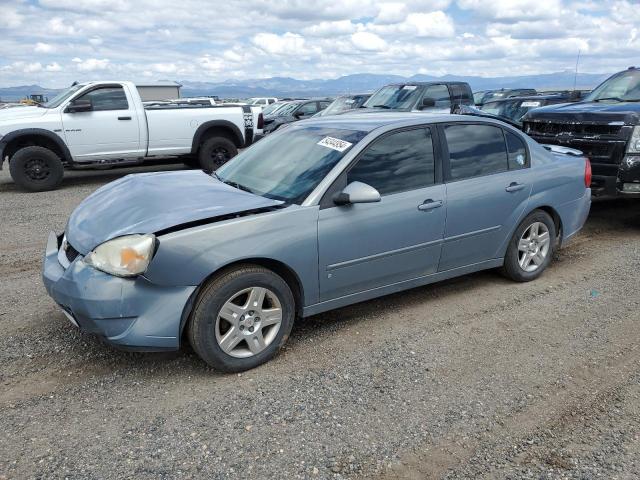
(476, 377)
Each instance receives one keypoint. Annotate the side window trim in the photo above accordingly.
(446, 164)
(341, 181)
(527, 154)
(100, 87)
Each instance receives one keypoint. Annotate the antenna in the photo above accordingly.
(575, 75)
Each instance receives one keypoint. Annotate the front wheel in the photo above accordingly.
(215, 152)
(36, 169)
(242, 318)
(531, 247)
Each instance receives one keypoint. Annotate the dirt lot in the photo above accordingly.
(473, 378)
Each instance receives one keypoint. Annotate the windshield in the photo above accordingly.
(624, 86)
(287, 109)
(394, 96)
(288, 165)
(62, 96)
(343, 104)
(270, 109)
(513, 110)
(478, 96)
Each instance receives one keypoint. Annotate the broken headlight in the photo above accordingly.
(126, 256)
(634, 143)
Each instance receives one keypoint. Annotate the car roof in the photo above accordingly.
(368, 122)
(419, 84)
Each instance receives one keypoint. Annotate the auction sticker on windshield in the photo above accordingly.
(334, 144)
(530, 104)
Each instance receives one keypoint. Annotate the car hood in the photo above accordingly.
(8, 114)
(588, 112)
(151, 202)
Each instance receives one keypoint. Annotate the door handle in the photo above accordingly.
(429, 205)
(124, 118)
(514, 187)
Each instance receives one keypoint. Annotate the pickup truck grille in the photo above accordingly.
(577, 129)
(603, 144)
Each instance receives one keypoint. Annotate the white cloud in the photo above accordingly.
(435, 24)
(58, 26)
(92, 64)
(43, 48)
(54, 42)
(287, 44)
(53, 67)
(368, 41)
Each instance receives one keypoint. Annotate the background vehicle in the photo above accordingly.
(514, 108)
(325, 213)
(480, 98)
(605, 126)
(292, 112)
(343, 104)
(106, 123)
(437, 97)
(271, 109)
(261, 101)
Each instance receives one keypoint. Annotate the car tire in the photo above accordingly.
(215, 152)
(531, 247)
(231, 344)
(36, 169)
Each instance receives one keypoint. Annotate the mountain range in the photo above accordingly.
(357, 83)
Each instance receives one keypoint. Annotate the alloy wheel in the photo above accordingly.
(533, 247)
(248, 322)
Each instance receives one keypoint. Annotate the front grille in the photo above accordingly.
(602, 144)
(580, 129)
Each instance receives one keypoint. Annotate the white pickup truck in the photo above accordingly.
(106, 123)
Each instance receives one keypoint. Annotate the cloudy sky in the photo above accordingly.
(53, 42)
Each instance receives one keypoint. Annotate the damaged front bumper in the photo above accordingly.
(130, 313)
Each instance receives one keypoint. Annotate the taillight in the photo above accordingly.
(587, 173)
(260, 121)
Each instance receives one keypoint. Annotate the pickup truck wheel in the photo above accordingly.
(531, 247)
(242, 318)
(36, 169)
(215, 152)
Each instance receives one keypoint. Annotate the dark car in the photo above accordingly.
(605, 126)
(515, 108)
(480, 98)
(437, 97)
(292, 112)
(344, 103)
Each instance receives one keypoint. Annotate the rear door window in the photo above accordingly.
(475, 150)
(517, 151)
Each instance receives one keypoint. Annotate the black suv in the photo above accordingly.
(605, 126)
(294, 111)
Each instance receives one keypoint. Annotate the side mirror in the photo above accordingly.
(357, 192)
(80, 105)
(427, 102)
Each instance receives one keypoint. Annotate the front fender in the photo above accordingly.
(288, 236)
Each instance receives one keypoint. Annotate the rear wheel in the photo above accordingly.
(215, 152)
(36, 169)
(531, 247)
(242, 318)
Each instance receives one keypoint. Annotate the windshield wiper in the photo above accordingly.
(382, 106)
(617, 99)
(232, 184)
